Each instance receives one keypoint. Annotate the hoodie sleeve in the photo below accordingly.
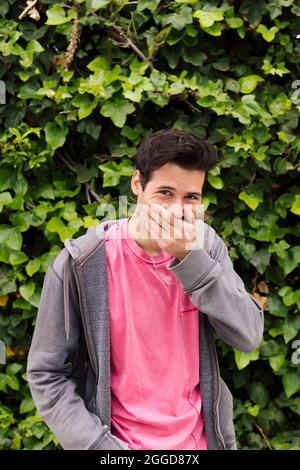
(50, 367)
(217, 290)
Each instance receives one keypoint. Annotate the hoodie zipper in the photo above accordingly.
(216, 374)
(91, 351)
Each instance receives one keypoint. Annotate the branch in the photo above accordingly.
(261, 432)
(71, 165)
(129, 42)
(95, 195)
(87, 194)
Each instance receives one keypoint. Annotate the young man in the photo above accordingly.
(123, 354)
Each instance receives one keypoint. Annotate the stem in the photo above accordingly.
(130, 43)
(261, 432)
(71, 165)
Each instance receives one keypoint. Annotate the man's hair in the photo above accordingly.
(179, 147)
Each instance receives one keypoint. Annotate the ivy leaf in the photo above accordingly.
(22, 220)
(7, 281)
(291, 298)
(208, 18)
(5, 198)
(62, 189)
(126, 167)
(288, 328)
(178, 20)
(85, 174)
(296, 205)
(215, 30)
(90, 127)
(223, 65)
(194, 57)
(111, 173)
(27, 290)
(249, 83)
(150, 5)
(259, 394)
(276, 307)
(27, 56)
(261, 260)
(5, 177)
(117, 110)
(11, 237)
(68, 211)
(100, 63)
(215, 181)
(97, 4)
(291, 260)
(55, 134)
(291, 382)
(57, 15)
(251, 199)
(282, 165)
(85, 104)
(33, 266)
(27, 405)
(242, 359)
(267, 34)
(234, 23)
(12, 382)
(17, 257)
(56, 225)
(13, 369)
(277, 361)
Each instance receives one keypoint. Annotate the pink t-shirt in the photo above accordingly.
(154, 332)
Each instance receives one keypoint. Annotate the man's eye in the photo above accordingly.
(164, 192)
(168, 193)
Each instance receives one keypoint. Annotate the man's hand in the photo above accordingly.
(172, 234)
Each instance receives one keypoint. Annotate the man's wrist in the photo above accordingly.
(181, 256)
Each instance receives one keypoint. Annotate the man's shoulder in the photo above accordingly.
(78, 247)
(81, 247)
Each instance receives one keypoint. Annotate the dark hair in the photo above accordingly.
(179, 147)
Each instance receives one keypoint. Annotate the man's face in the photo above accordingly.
(172, 187)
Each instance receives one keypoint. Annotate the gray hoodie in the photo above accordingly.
(69, 359)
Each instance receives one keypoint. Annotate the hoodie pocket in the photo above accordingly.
(226, 416)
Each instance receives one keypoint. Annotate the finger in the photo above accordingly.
(163, 229)
(189, 227)
(188, 213)
(154, 230)
(174, 221)
(161, 215)
(159, 209)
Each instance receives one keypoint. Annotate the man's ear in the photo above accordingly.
(135, 183)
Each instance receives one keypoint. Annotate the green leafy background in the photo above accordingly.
(85, 81)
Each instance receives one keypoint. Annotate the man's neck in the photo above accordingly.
(149, 246)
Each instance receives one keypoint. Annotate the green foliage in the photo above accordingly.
(84, 83)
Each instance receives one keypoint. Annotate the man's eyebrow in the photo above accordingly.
(174, 189)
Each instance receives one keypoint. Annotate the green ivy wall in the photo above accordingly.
(84, 81)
